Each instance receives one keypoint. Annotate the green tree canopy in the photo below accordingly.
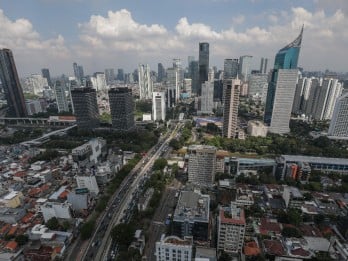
(52, 223)
(291, 232)
(123, 234)
(160, 164)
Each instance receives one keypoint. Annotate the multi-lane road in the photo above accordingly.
(120, 206)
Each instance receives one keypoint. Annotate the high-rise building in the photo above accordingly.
(195, 222)
(85, 107)
(231, 229)
(231, 89)
(173, 248)
(187, 84)
(78, 72)
(109, 76)
(100, 81)
(201, 164)
(339, 121)
(330, 90)
(281, 89)
(231, 67)
(145, 82)
(46, 74)
(194, 69)
(122, 108)
(11, 85)
(62, 103)
(35, 84)
(258, 84)
(263, 65)
(207, 98)
(174, 83)
(311, 103)
(203, 64)
(158, 106)
(161, 74)
(244, 67)
(120, 75)
(302, 93)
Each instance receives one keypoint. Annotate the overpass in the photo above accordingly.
(53, 121)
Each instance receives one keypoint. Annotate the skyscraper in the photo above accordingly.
(203, 64)
(339, 121)
(122, 108)
(231, 67)
(258, 84)
(263, 65)
(109, 76)
(158, 106)
(145, 82)
(46, 74)
(231, 90)
(120, 75)
(78, 72)
(201, 164)
(161, 74)
(281, 89)
(194, 69)
(86, 107)
(244, 67)
(11, 85)
(61, 100)
(330, 90)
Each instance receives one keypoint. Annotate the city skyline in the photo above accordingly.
(121, 35)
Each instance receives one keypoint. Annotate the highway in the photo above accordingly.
(121, 204)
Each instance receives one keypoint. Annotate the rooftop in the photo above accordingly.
(311, 159)
(193, 206)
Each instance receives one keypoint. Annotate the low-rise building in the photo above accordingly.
(231, 229)
(257, 129)
(12, 199)
(56, 209)
(145, 199)
(90, 153)
(191, 216)
(89, 182)
(173, 248)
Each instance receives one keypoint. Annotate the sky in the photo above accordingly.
(101, 34)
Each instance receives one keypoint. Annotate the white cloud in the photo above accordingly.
(119, 40)
(27, 45)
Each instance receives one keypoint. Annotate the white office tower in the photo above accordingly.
(158, 106)
(330, 90)
(35, 84)
(173, 87)
(89, 182)
(188, 87)
(310, 105)
(244, 67)
(231, 90)
(145, 82)
(257, 87)
(339, 121)
(283, 100)
(302, 93)
(201, 164)
(109, 76)
(231, 229)
(61, 99)
(101, 82)
(174, 248)
(207, 98)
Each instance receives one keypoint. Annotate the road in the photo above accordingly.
(123, 202)
(157, 226)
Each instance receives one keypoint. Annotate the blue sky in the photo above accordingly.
(120, 34)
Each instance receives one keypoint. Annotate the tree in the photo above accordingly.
(87, 229)
(160, 164)
(123, 234)
(22, 239)
(52, 223)
(294, 216)
(224, 257)
(66, 225)
(291, 232)
(175, 144)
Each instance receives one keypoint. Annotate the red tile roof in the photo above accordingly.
(12, 231)
(251, 249)
(27, 217)
(269, 226)
(238, 221)
(12, 245)
(274, 247)
(5, 229)
(64, 194)
(300, 252)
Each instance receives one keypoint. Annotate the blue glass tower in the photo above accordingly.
(286, 58)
